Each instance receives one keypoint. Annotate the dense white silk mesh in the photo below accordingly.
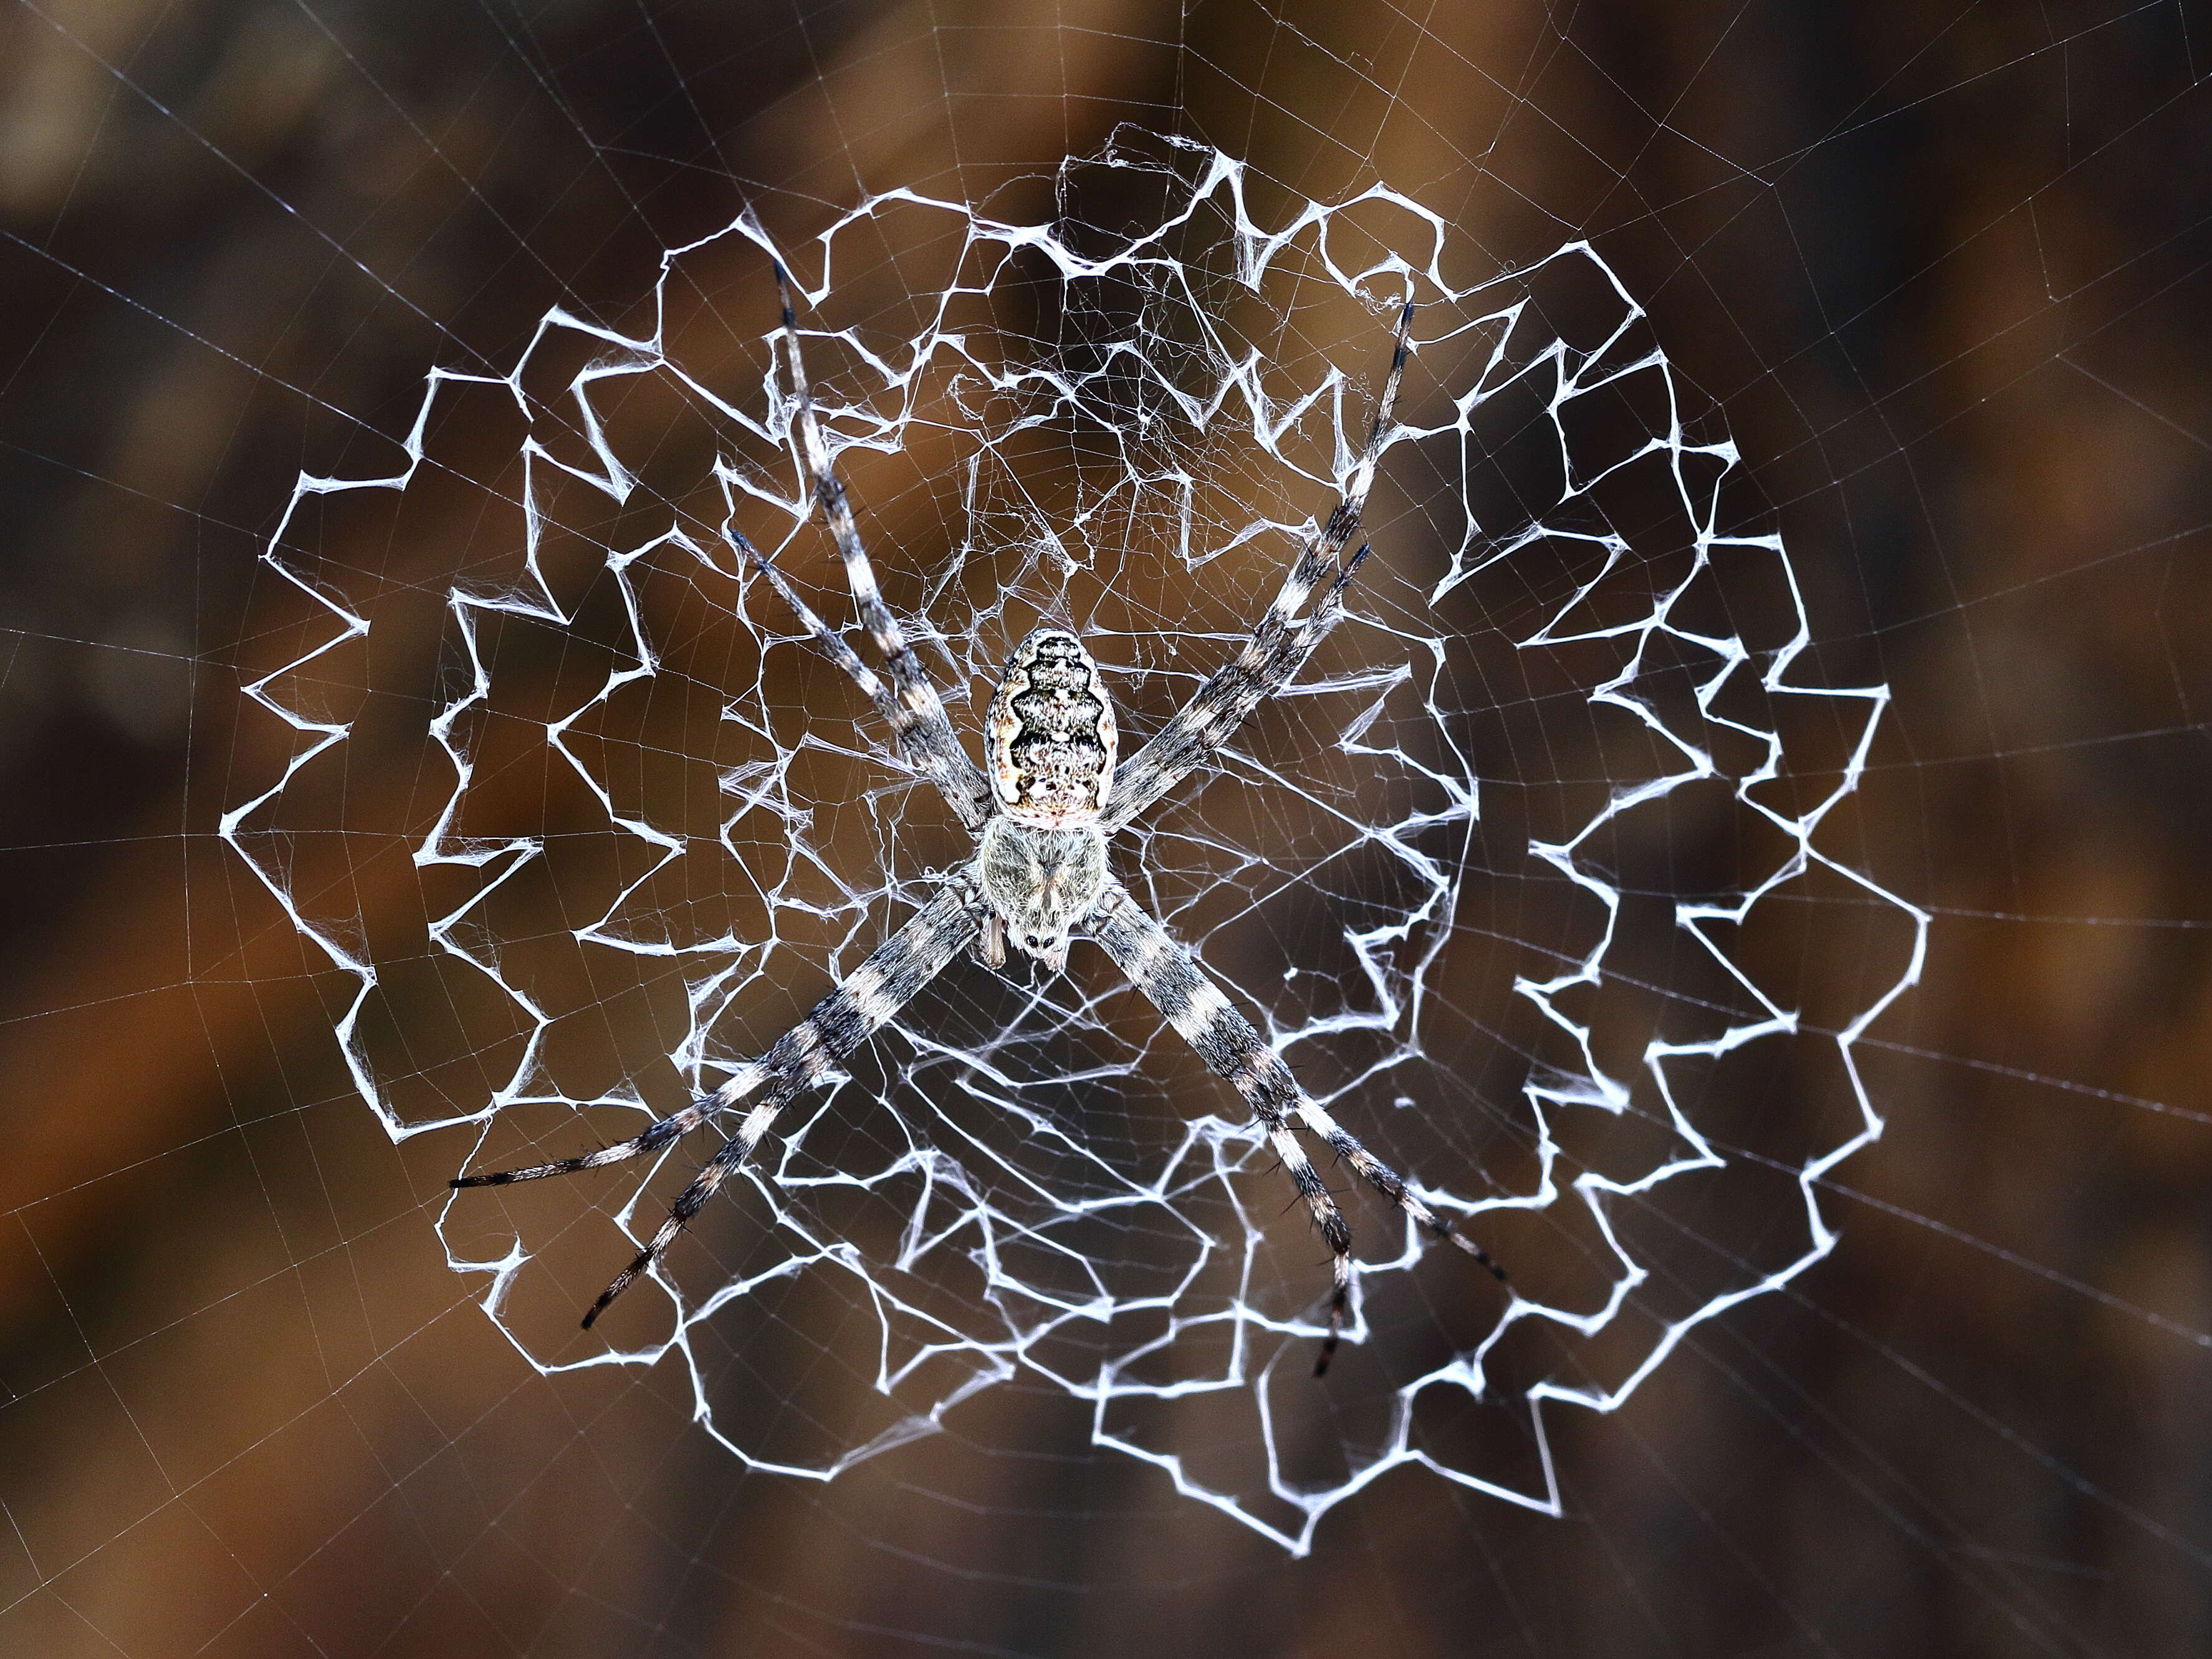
(1537, 877)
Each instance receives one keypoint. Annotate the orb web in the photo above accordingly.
(1523, 877)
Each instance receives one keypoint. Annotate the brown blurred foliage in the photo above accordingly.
(1943, 271)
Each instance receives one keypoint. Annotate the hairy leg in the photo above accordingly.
(799, 1059)
(924, 728)
(1233, 1049)
(1280, 642)
(937, 756)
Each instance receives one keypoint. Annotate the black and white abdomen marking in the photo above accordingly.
(1049, 735)
(1049, 742)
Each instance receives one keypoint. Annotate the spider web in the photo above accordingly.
(1940, 271)
(1525, 876)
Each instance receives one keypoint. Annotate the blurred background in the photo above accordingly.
(1942, 269)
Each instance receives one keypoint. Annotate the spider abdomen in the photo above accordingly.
(1050, 734)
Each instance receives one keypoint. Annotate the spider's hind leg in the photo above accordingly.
(912, 706)
(1282, 640)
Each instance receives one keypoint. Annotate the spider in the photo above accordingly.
(1042, 811)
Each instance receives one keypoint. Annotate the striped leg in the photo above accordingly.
(1175, 984)
(799, 1059)
(923, 729)
(1280, 643)
(944, 764)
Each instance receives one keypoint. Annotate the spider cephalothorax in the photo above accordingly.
(1041, 809)
(1049, 744)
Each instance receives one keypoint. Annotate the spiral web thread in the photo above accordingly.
(1044, 1208)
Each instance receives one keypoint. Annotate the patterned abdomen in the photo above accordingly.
(1049, 733)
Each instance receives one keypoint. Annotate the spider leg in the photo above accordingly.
(1232, 1049)
(725, 1162)
(798, 1060)
(1281, 641)
(673, 1127)
(1387, 1181)
(923, 729)
(943, 763)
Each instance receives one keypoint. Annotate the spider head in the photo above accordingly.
(1050, 734)
(1039, 883)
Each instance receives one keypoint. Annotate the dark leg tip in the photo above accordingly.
(623, 1280)
(1474, 1249)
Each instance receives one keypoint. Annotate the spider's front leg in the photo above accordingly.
(803, 1057)
(1233, 1049)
